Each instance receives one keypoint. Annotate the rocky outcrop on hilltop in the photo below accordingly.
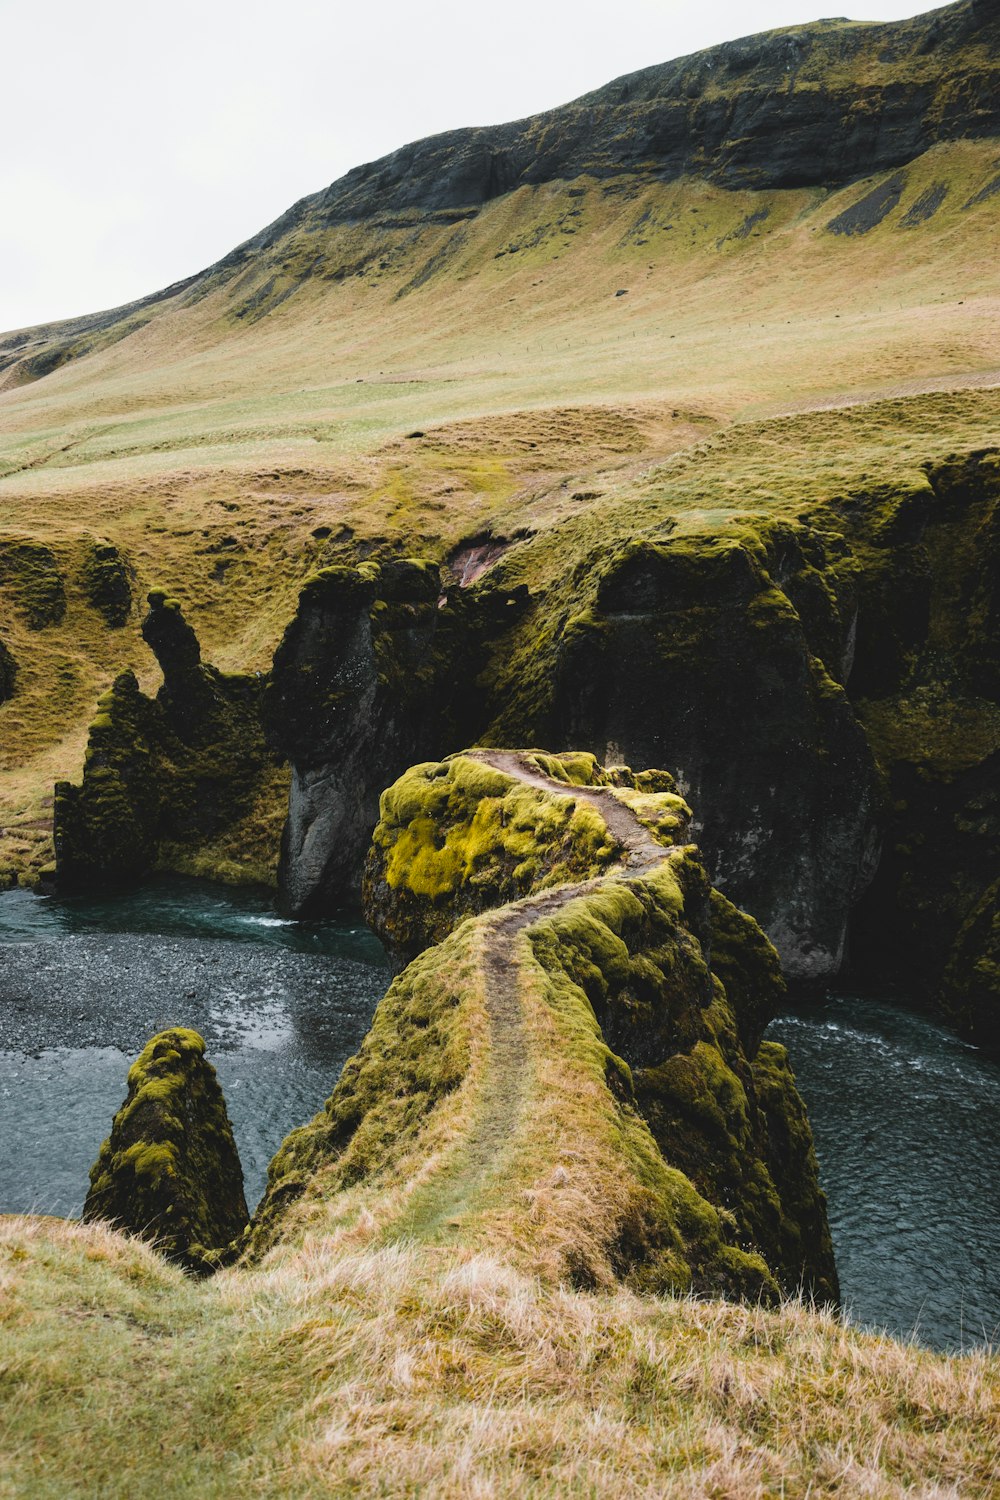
(597, 978)
(175, 768)
(170, 1172)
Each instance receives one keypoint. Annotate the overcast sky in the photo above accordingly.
(142, 141)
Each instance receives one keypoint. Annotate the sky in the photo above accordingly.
(142, 141)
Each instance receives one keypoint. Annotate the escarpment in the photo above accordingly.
(170, 1172)
(815, 106)
(564, 1068)
(825, 687)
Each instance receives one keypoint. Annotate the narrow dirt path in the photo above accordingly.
(505, 1086)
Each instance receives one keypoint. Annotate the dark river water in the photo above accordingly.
(85, 983)
(906, 1117)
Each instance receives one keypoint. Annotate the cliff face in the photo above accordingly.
(176, 769)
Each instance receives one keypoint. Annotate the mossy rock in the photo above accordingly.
(107, 583)
(30, 573)
(8, 673)
(176, 771)
(170, 1172)
(457, 837)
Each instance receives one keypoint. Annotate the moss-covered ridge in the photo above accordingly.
(170, 1172)
(563, 1072)
(464, 835)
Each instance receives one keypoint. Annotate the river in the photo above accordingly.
(906, 1117)
(84, 984)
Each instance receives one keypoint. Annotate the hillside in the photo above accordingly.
(659, 431)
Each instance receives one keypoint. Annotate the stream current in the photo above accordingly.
(904, 1114)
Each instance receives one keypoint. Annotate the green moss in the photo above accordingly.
(457, 837)
(169, 1171)
(172, 773)
(107, 582)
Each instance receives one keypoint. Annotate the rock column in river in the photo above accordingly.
(170, 1171)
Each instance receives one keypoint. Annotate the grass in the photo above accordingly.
(353, 1368)
(742, 375)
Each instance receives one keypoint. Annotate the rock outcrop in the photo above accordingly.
(178, 768)
(170, 1172)
(107, 583)
(595, 928)
(31, 576)
(377, 669)
(459, 837)
(8, 673)
(693, 654)
(927, 683)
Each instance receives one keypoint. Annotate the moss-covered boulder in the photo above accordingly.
(30, 574)
(106, 579)
(170, 1172)
(459, 837)
(171, 771)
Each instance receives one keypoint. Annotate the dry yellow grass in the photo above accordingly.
(348, 1369)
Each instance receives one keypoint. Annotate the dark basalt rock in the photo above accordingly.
(179, 768)
(170, 1172)
(927, 674)
(376, 670)
(696, 657)
(970, 991)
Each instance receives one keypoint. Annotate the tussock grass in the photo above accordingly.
(353, 1367)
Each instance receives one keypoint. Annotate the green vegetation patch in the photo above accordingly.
(170, 1172)
(456, 837)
